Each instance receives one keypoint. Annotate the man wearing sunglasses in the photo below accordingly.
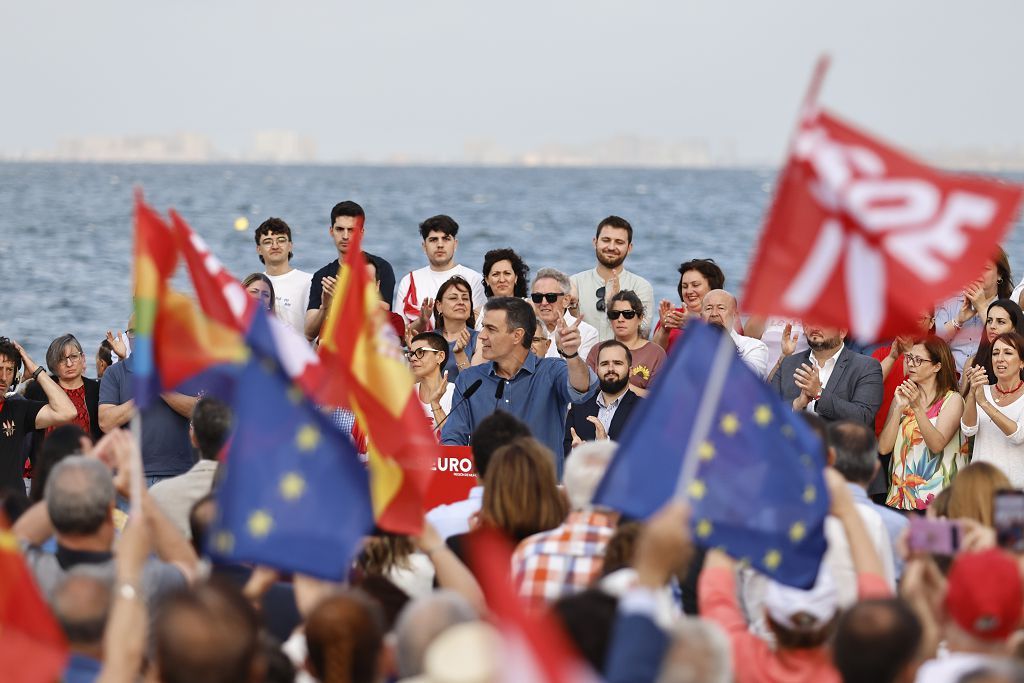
(550, 294)
(719, 309)
(612, 244)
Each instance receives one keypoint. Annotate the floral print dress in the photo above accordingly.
(918, 474)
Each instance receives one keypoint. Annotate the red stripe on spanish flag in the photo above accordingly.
(365, 373)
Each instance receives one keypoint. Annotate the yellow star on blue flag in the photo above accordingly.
(294, 494)
(751, 487)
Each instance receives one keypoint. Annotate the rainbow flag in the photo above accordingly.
(364, 371)
(155, 260)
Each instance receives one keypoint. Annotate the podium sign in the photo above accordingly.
(454, 476)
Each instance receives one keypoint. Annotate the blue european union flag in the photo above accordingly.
(294, 494)
(754, 480)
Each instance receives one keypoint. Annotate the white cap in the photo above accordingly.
(803, 610)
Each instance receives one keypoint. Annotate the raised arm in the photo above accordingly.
(59, 408)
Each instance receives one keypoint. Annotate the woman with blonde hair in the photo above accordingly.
(521, 495)
(973, 494)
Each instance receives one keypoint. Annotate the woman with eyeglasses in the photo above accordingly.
(922, 430)
(995, 412)
(66, 362)
(427, 354)
(455, 320)
(1003, 316)
(626, 311)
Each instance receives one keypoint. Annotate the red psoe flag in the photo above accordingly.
(864, 238)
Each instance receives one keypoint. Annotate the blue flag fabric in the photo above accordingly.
(294, 495)
(758, 488)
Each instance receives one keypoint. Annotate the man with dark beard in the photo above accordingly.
(604, 416)
(596, 287)
(830, 379)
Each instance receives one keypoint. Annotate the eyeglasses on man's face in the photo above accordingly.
(628, 315)
(550, 297)
(419, 353)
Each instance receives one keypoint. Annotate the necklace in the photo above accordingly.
(1004, 394)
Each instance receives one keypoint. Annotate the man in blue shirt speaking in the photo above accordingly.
(536, 390)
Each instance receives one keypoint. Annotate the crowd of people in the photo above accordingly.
(923, 437)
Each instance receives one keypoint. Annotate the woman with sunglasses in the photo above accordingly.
(995, 412)
(626, 311)
(922, 430)
(427, 354)
(454, 319)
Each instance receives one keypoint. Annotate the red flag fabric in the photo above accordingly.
(864, 238)
(535, 648)
(364, 371)
(32, 647)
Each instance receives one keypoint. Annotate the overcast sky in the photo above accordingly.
(420, 77)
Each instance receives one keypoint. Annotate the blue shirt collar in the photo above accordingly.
(529, 365)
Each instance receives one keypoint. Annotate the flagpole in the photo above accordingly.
(135, 467)
(808, 107)
(709, 400)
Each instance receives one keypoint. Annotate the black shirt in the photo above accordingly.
(385, 274)
(17, 421)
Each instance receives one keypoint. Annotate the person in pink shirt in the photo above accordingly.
(802, 621)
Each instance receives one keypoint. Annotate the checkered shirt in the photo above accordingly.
(562, 561)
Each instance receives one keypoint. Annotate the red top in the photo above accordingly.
(77, 397)
(893, 380)
(753, 660)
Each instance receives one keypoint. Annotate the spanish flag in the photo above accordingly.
(32, 647)
(365, 373)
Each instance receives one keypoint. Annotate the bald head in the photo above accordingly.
(719, 308)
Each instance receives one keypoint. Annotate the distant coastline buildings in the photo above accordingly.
(283, 146)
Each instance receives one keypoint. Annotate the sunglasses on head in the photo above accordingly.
(550, 298)
(628, 315)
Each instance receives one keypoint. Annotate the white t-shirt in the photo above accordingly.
(446, 401)
(427, 283)
(588, 338)
(291, 295)
(772, 337)
(992, 446)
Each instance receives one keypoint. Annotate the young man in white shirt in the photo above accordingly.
(439, 244)
(291, 285)
(612, 244)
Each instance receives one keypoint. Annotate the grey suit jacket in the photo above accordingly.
(853, 392)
